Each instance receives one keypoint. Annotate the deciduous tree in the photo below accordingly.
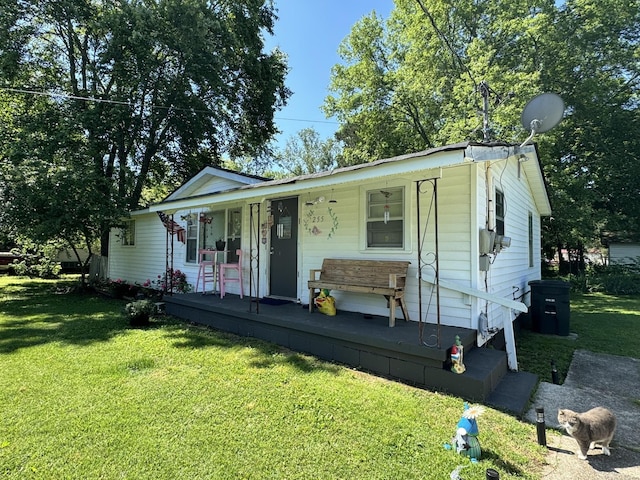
(154, 89)
(413, 82)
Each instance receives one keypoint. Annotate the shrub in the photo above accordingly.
(150, 290)
(617, 279)
(140, 311)
(174, 281)
(119, 288)
(36, 260)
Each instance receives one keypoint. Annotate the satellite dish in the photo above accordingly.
(541, 114)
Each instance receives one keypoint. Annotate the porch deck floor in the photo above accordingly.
(366, 342)
(369, 329)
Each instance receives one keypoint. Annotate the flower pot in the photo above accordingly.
(220, 244)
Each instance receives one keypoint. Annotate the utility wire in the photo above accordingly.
(446, 42)
(129, 104)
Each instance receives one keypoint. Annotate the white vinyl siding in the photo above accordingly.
(510, 271)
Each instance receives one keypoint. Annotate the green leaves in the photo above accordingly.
(411, 82)
(142, 93)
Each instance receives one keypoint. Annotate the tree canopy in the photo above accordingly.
(306, 152)
(130, 93)
(414, 81)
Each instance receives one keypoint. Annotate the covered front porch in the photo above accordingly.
(409, 352)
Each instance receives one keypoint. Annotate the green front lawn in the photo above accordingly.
(84, 396)
(599, 323)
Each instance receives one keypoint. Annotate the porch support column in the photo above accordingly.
(510, 340)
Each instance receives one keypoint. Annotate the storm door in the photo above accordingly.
(283, 262)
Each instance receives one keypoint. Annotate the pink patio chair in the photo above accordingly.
(207, 270)
(224, 279)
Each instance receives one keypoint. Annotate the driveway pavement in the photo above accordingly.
(594, 380)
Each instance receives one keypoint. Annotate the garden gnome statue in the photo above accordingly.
(466, 439)
(457, 357)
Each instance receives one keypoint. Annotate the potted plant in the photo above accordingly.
(139, 312)
(220, 244)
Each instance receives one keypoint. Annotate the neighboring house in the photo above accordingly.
(483, 200)
(627, 253)
(69, 261)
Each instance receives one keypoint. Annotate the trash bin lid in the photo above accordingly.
(556, 283)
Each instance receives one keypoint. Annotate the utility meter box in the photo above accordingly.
(486, 241)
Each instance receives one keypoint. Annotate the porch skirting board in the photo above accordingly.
(364, 343)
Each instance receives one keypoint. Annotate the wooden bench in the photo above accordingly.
(382, 277)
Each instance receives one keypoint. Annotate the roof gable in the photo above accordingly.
(211, 180)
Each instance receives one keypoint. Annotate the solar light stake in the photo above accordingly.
(540, 426)
(554, 373)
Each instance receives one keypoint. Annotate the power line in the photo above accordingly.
(445, 40)
(308, 121)
(129, 104)
(68, 96)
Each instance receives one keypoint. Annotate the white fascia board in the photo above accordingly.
(497, 152)
(398, 166)
(527, 155)
(142, 211)
(533, 172)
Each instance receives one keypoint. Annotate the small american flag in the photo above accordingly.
(173, 227)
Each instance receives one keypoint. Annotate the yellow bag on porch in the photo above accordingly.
(325, 303)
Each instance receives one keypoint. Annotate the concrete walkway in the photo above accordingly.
(594, 380)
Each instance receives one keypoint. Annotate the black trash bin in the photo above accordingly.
(550, 310)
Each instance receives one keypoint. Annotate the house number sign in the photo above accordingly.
(317, 221)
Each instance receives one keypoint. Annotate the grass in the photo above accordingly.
(84, 396)
(602, 323)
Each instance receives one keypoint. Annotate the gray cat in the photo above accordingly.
(594, 426)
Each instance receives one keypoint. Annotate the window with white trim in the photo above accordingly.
(128, 235)
(385, 218)
(206, 228)
(530, 239)
(192, 239)
(500, 211)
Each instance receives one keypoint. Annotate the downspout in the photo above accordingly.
(490, 224)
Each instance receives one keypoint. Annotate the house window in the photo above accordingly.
(129, 233)
(530, 239)
(211, 229)
(192, 239)
(234, 228)
(206, 228)
(500, 211)
(385, 218)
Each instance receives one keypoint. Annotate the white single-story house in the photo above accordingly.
(467, 217)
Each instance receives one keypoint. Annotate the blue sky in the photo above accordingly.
(309, 32)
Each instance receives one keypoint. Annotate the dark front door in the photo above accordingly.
(283, 271)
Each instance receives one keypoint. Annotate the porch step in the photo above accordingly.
(514, 393)
(484, 369)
